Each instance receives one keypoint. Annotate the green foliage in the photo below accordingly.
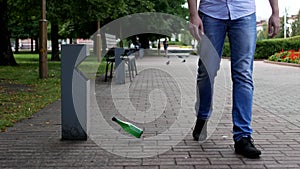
(173, 7)
(296, 26)
(226, 49)
(90, 67)
(186, 37)
(194, 52)
(23, 18)
(281, 31)
(261, 35)
(176, 43)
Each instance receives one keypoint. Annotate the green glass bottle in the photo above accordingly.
(129, 128)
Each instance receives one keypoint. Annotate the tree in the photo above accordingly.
(24, 26)
(6, 54)
(281, 31)
(128, 7)
(54, 9)
(263, 34)
(174, 7)
(78, 19)
(296, 26)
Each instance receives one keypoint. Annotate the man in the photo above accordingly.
(165, 43)
(237, 19)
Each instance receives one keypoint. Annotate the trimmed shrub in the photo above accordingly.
(176, 43)
(266, 48)
(226, 49)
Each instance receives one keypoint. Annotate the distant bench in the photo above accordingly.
(116, 55)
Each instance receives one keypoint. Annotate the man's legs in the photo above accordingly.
(242, 37)
(215, 30)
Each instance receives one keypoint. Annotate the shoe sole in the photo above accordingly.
(198, 138)
(252, 156)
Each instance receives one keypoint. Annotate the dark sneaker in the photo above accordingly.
(200, 130)
(245, 147)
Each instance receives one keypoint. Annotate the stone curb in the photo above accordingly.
(282, 63)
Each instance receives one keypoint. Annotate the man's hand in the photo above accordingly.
(274, 25)
(195, 26)
(274, 21)
(195, 21)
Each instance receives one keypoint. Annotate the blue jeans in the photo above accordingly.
(242, 38)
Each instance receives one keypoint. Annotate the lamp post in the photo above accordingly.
(98, 42)
(43, 61)
(284, 20)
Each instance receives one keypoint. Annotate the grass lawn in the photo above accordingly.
(22, 93)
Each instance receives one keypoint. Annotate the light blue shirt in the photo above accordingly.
(227, 9)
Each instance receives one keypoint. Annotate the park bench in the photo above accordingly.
(116, 55)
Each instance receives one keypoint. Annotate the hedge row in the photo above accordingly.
(266, 48)
(176, 43)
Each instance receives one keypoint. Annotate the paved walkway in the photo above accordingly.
(35, 142)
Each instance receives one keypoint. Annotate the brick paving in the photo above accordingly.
(35, 142)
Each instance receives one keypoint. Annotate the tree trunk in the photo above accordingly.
(31, 45)
(17, 45)
(143, 38)
(121, 44)
(54, 41)
(36, 45)
(95, 44)
(6, 54)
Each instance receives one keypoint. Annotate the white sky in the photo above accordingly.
(263, 8)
